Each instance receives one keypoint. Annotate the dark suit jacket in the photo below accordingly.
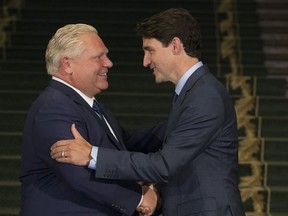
(50, 188)
(197, 165)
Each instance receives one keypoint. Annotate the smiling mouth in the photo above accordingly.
(102, 74)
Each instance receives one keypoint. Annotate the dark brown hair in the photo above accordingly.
(174, 22)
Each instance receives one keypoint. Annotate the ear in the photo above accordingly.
(177, 45)
(66, 65)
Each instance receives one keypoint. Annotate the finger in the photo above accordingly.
(63, 160)
(54, 146)
(146, 211)
(75, 132)
(139, 209)
(58, 144)
(143, 210)
(58, 153)
(55, 154)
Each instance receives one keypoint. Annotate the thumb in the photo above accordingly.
(75, 132)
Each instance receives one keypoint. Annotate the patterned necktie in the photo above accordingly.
(97, 109)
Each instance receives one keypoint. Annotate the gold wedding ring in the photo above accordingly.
(62, 154)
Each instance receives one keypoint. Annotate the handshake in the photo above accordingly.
(149, 201)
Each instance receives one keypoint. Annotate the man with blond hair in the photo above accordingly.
(77, 60)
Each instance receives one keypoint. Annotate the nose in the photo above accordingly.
(146, 60)
(108, 63)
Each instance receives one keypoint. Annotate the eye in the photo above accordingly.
(102, 56)
(95, 58)
(98, 58)
(149, 51)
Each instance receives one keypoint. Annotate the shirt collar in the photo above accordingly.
(186, 76)
(85, 97)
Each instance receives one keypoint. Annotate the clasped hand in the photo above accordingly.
(149, 201)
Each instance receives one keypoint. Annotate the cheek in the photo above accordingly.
(160, 61)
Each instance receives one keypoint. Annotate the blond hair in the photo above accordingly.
(65, 42)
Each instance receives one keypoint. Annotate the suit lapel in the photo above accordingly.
(115, 127)
(79, 100)
(176, 110)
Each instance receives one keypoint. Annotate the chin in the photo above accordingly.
(105, 87)
(158, 80)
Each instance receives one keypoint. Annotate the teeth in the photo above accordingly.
(102, 74)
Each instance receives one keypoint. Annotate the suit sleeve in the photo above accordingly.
(198, 125)
(52, 123)
(146, 140)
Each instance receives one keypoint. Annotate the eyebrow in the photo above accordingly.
(147, 48)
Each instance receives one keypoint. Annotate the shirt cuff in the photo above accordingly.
(141, 197)
(93, 161)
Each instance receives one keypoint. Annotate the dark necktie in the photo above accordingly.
(97, 109)
(175, 96)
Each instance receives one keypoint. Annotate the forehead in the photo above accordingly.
(92, 41)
